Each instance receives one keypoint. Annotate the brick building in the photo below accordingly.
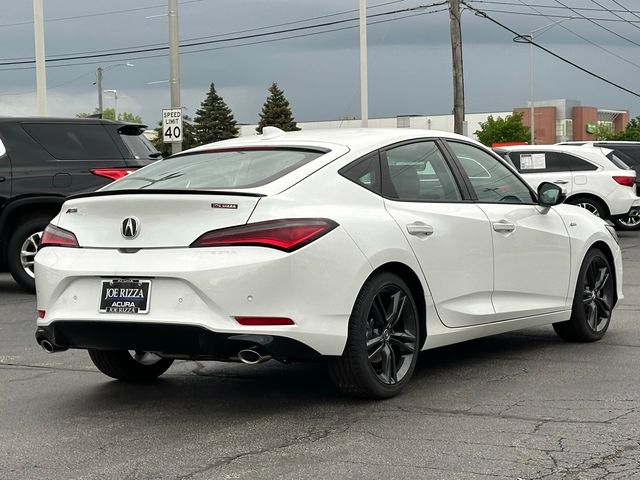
(566, 120)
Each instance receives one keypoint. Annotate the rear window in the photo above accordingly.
(72, 141)
(214, 170)
(620, 160)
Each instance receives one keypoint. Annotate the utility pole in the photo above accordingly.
(174, 64)
(458, 76)
(41, 76)
(99, 84)
(364, 94)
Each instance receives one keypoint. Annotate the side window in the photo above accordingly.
(529, 161)
(575, 164)
(496, 183)
(74, 141)
(365, 172)
(418, 172)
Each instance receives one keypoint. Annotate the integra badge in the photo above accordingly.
(232, 206)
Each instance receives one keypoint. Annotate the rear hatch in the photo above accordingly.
(172, 202)
(152, 219)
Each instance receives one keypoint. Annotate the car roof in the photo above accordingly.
(352, 138)
(11, 119)
(552, 148)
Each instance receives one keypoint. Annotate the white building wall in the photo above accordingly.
(429, 122)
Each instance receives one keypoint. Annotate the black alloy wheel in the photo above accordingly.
(593, 301)
(383, 343)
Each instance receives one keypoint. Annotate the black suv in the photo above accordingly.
(42, 161)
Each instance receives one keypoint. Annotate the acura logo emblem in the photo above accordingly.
(130, 227)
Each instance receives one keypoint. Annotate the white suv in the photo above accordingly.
(594, 178)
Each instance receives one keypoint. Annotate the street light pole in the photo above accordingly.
(99, 84)
(41, 76)
(115, 106)
(174, 64)
(364, 82)
(529, 39)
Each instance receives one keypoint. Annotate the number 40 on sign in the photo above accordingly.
(172, 125)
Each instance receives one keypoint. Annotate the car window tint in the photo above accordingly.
(364, 172)
(68, 141)
(139, 146)
(418, 172)
(495, 182)
(538, 161)
(575, 164)
(211, 170)
(619, 159)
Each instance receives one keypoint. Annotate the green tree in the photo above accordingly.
(188, 137)
(214, 120)
(508, 129)
(110, 114)
(630, 133)
(276, 112)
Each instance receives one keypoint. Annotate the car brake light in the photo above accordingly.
(261, 321)
(626, 181)
(57, 237)
(112, 173)
(287, 234)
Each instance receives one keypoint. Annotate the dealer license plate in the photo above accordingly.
(124, 295)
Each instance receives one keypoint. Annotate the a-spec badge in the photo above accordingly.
(232, 206)
(130, 227)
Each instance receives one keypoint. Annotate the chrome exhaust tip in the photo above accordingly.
(252, 357)
(47, 346)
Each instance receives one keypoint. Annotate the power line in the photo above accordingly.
(208, 42)
(610, 52)
(618, 15)
(98, 14)
(635, 14)
(526, 39)
(257, 42)
(255, 29)
(585, 9)
(529, 14)
(613, 32)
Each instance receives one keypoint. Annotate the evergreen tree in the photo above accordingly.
(214, 120)
(276, 112)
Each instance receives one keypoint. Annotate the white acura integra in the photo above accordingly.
(361, 246)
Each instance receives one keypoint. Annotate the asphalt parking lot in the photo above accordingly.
(522, 405)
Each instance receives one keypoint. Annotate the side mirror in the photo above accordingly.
(550, 194)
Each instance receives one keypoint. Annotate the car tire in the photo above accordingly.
(129, 366)
(630, 223)
(594, 206)
(383, 340)
(25, 237)
(592, 301)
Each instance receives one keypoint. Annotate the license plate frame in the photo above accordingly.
(125, 296)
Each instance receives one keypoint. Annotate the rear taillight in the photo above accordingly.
(57, 237)
(626, 181)
(41, 313)
(112, 173)
(287, 234)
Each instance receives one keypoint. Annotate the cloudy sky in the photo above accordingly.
(409, 57)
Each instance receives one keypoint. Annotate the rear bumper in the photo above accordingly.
(182, 341)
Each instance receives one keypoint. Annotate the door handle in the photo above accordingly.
(503, 226)
(561, 182)
(419, 228)
(2, 179)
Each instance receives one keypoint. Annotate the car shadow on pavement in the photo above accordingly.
(211, 388)
(8, 286)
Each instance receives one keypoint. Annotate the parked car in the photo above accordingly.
(362, 247)
(42, 161)
(594, 178)
(629, 154)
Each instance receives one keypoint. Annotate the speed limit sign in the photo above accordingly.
(172, 125)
